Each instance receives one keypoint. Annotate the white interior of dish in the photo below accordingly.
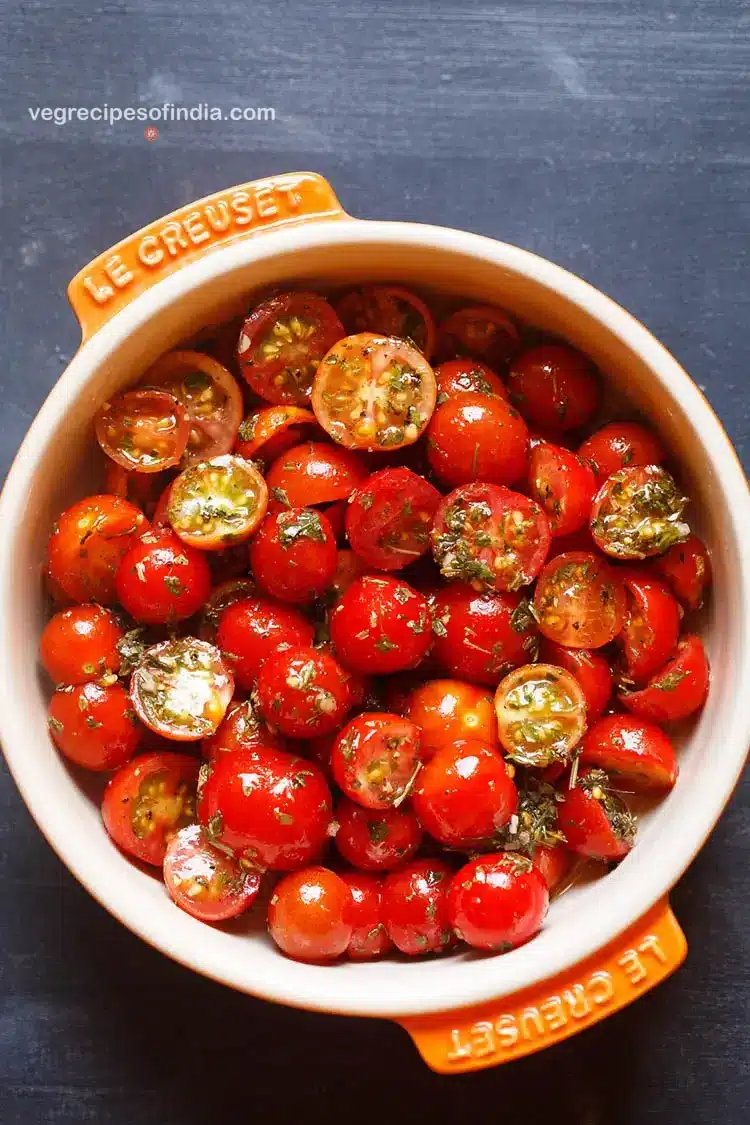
(56, 466)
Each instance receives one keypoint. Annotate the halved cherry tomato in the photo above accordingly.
(148, 801)
(388, 311)
(270, 431)
(554, 387)
(374, 392)
(553, 864)
(253, 629)
(141, 489)
(242, 728)
(448, 710)
(464, 794)
(217, 503)
(634, 749)
(303, 692)
(161, 580)
(497, 902)
(687, 568)
(541, 714)
(146, 430)
(480, 331)
(652, 623)
(369, 938)
(94, 725)
(80, 644)
(314, 473)
(205, 882)
(380, 625)
(181, 689)
(481, 637)
(222, 596)
(579, 601)
(589, 667)
(563, 484)
(637, 513)
(618, 445)
(596, 822)
(491, 537)
(311, 915)
(87, 544)
(210, 396)
(293, 557)
(414, 907)
(375, 759)
(388, 518)
(678, 689)
(376, 839)
(457, 376)
(477, 437)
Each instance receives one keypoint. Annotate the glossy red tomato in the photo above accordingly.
(579, 601)
(80, 644)
(148, 801)
(687, 568)
(143, 430)
(349, 567)
(637, 750)
(637, 513)
(93, 725)
(388, 311)
(221, 597)
(541, 714)
(162, 580)
(270, 808)
(589, 668)
(596, 822)
(414, 907)
(253, 629)
(270, 431)
(479, 331)
(204, 882)
(376, 758)
(651, 626)
(491, 537)
(481, 637)
(376, 839)
(553, 864)
(294, 557)
(464, 794)
(242, 728)
(336, 516)
(282, 343)
(303, 692)
(619, 444)
(563, 484)
(311, 915)
(217, 503)
(477, 437)
(314, 473)
(458, 376)
(380, 625)
(181, 689)
(554, 387)
(369, 939)
(448, 710)
(87, 544)
(389, 517)
(497, 902)
(678, 689)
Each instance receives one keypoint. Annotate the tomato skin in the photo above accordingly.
(94, 726)
(311, 915)
(563, 485)
(619, 444)
(591, 670)
(464, 794)
(637, 513)
(651, 626)
(480, 637)
(87, 544)
(459, 376)
(388, 310)
(161, 580)
(217, 887)
(270, 808)
(376, 839)
(448, 710)
(565, 544)
(314, 473)
(541, 715)
(369, 939)
(303, 692)
(679, 689)
(553, 864)
(388, 518)
(375, 757)
(598, 827)
(242, 728)
(293, 557)
(253, 629)
(580, 601)
(141, 489)
(148, 800)
(497, 902)
(143, 430)
(463, 443)
(221, 597)
(414, 907)
(554, 387)
(380, 625)
(79, 644)
(635, 749)
(270, 431)
(687, 569)
(480, 331)
(349, 567)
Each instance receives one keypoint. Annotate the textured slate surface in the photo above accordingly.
(609, 136)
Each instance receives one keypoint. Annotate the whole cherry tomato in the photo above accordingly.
(253, 629)
(181, 689)
(270, 431)
(579, 601)
(554, 387)
(204, 882)
(460, 376)
(87, 544)
(480, 331)
(477, 437)
(311, 915)
(303, 692)
(380, 625)
(563, 484)
(541, 714)
(80, 644)
(242, 728)
(294, 557)
(376, 758)
(497, 902)
(481, 637)
(161, 580)
(651, 626)
(687, 568)
(389, 517)
(448, 710)
(678, 689)
(376, 839)
(589, 668)
(635, 749)
(596, 823)
(148, 801)
(94, 726)
(314, 473)
(618, 445)
(388, 311)
(369, 939)
(637, 513)
(414, 907)
(464, 794)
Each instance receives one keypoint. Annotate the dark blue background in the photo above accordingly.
(608, 135)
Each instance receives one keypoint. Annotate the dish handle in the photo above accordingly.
(110, 282)
(497, 1032)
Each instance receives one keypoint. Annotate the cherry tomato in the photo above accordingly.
(554, 387)
(580, 540)
(369, 939)
(448, 710)
(314, 473)
(303, 692)
(141, 489)
(651, 626)
(678, 689)
(491, 537)
(253, 629)
(563, 484)
(143, 430)
(205, 882)
(80, 644)
(388, 518)
(293, 557)
(635, 749)
(270, 431)
(242, 728)
(148, 801)
(596, 823)
(480, 331)
(480, 637)
(687, 568)
(336, 516)
(477, 437)
(222, 596)
(375, 759)
(162, 580)
(414, 907)
(619, 444)
(349, 567)
(161, 511)
(541, 714)
(216, 503)
(282, 343)
(637, 513)
(270, 808)
(311, 915)
(464, 794)
(210, 397)
(457, 376)
(94, 725)
(497, 902)
(181, 689)
(87, 544)
(376, 839)
(589, 668)
(388, 311)
(579, 601)
(380, 625)
(553, 864)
